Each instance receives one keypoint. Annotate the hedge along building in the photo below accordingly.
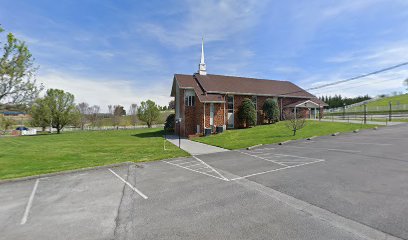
(206, 101)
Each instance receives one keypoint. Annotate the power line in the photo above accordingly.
(351, 79)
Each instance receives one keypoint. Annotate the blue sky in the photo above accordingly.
(120, 52)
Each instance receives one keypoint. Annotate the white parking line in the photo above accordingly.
(30, 203)
(255, 156)
(328, 149)
(197, 171)
(363, 143)
(130, 185)
(193, 165)
(274, 170)
(226, 179)
(294, 156)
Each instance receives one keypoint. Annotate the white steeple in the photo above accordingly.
(202, 68)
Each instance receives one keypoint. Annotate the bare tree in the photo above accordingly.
(294, 120)
(406, 83)
(94, 114)
(133, 113)
(84, 110)
(118, 112)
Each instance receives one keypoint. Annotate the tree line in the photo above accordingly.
(339, 101)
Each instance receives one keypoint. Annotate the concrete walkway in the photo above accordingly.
(194, 148)
(360, 122)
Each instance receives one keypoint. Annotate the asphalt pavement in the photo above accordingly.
(350, 186)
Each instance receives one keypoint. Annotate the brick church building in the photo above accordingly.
(207, 101)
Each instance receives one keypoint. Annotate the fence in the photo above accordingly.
(362, 108)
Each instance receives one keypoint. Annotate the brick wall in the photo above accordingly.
(218, 114)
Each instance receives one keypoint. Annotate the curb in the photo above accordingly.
(335, 134)
(310, 138)
(64, 172)
(284, 142)
(252, 147)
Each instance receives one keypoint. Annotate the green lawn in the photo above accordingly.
(30, 155)
(266, 134)
(402, 99)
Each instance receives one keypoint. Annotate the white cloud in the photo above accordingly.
(215, 20)
(104, 92)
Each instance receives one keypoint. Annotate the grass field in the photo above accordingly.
(401, 99)
(30, 155)
(380, 106)
(266, 134)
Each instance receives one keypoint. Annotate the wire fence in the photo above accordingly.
(372, 109)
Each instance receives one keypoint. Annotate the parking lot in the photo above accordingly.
(350, 186)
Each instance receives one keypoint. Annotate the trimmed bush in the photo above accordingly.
(169, 124)
(271, 110)
(247, 113)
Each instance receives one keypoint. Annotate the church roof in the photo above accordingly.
(219, 84)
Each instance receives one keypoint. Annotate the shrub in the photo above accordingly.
(169, 124)
(271, 110)
(247, 113)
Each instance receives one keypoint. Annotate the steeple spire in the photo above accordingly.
(202, 68)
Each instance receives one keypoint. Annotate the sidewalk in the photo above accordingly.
(194, 148)
(359, 122)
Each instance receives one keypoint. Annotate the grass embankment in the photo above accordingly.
(31, 155)
(379, 106)
(274, 133)
(383, 102)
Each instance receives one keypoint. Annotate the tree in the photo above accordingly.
(5, 123)
(406, 83)
(40, 114)
(84, 110)
(148, 112)
(171, 104)
(118, 112)
(133, 113)
(17, 73)
(294, 121)
(247, 113)
(271, 110)
(62, 108)
(94, 114)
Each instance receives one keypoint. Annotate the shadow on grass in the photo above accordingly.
(158, 133)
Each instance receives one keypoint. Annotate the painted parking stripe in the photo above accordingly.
(196, 171)
(196, 158)
(265, 159)
(294, 156)
(363, 143)
(328, 149)
(127, 183)
(29, 203)
(275, 170)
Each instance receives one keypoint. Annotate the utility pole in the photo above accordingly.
(344, 111)
(390, 111)
(365, 113)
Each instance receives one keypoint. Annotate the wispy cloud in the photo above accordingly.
(216, 20)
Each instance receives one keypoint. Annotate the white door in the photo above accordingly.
(230, 111)
(212, 114)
